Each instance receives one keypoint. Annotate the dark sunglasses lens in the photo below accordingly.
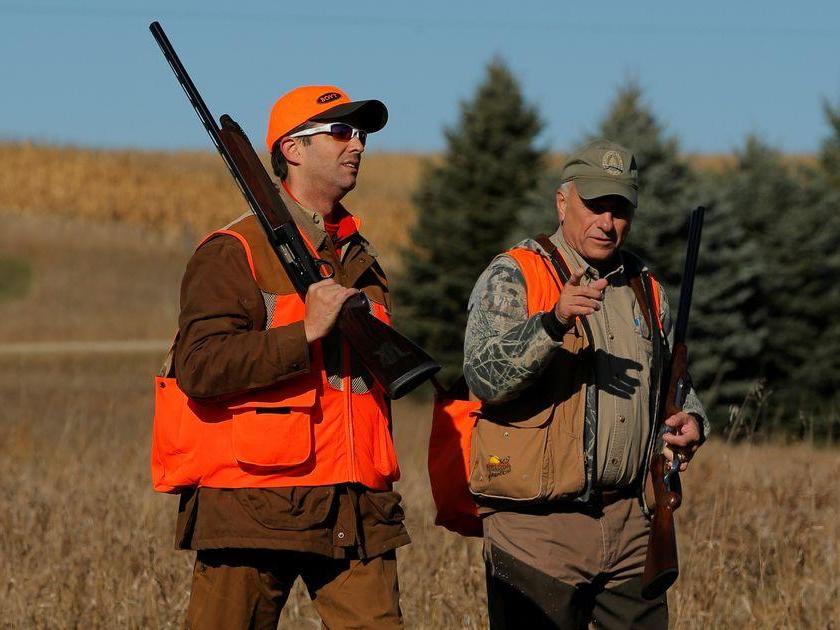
(342, 132)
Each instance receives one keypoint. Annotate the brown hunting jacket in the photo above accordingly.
(223, 350)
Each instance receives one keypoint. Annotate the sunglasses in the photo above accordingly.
(340, 131)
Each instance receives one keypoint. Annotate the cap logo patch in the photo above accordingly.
(612, 163)
(329, 96)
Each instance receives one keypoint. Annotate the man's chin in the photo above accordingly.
(348, 185)
(600, 254)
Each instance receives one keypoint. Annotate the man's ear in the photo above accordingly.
(560, 203)
(291, 150)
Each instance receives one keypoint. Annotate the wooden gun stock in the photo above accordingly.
(662, 565)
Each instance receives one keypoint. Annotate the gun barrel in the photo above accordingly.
(695, 229)
(201, 109)
(662, 563)
(185, 80)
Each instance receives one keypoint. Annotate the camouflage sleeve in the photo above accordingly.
(692, 401)
(504, 349)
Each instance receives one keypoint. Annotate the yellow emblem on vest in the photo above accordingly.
(498, 466)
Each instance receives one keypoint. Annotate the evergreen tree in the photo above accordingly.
(466, 207)
(812, 234)
(789, 215)
(806, 299)
(830, 151)
(539, 213)
(761, 192)
(728, 328)
(667, 186)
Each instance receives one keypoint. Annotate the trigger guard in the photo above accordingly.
(320, 263)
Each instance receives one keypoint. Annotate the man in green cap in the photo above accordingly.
(566, 338)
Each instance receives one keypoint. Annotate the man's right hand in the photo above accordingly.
(323, 303)
(579, 301)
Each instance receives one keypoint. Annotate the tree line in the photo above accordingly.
(764, 330)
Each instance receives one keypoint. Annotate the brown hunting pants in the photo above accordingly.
(235, 588)
(569, 566)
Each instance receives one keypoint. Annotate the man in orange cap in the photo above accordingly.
(304, 485)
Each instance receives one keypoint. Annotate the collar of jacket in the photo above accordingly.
(312, 223)
(576, 259)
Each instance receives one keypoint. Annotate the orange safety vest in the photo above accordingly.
(543, 285)
(302, 432)
(454, 417)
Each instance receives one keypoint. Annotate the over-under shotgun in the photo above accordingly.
(662, 565)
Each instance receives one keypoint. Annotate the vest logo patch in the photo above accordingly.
(497, 466)
(328, 96)
(612, 163)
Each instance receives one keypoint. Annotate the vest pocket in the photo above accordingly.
(272, 432)
(174, 439)
(512, 461)
(567, 454)
(296, 508)
(169, 408)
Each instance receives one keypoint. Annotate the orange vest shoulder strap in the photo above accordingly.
(542, 285)
(656, 298)
(267, 270)
(238, 237)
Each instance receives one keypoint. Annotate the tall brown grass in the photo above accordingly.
(86, 543)
(171, 192)
(91, 280)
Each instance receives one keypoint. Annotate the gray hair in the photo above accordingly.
(565, 187)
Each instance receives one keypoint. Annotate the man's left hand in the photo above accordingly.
(683, 437)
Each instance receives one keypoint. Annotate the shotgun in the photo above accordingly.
(662, 563)
(396, 362)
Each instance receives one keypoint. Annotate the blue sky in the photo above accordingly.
(88, 72)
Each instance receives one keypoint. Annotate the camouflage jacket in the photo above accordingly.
(505, 350)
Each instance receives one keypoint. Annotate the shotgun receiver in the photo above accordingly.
(661, 563)
(397, 363)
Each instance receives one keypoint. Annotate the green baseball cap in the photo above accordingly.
(602, 168)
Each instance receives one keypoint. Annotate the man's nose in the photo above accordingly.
(605, 221)
(356, 145)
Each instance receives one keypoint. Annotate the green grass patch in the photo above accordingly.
(15, 278)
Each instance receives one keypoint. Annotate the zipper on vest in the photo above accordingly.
(347, 378)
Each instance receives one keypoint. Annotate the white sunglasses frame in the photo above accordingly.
(327, 128)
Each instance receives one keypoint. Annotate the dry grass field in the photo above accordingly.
(174, 192)
(86, 543)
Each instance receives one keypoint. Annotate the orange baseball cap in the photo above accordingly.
(322, 103)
